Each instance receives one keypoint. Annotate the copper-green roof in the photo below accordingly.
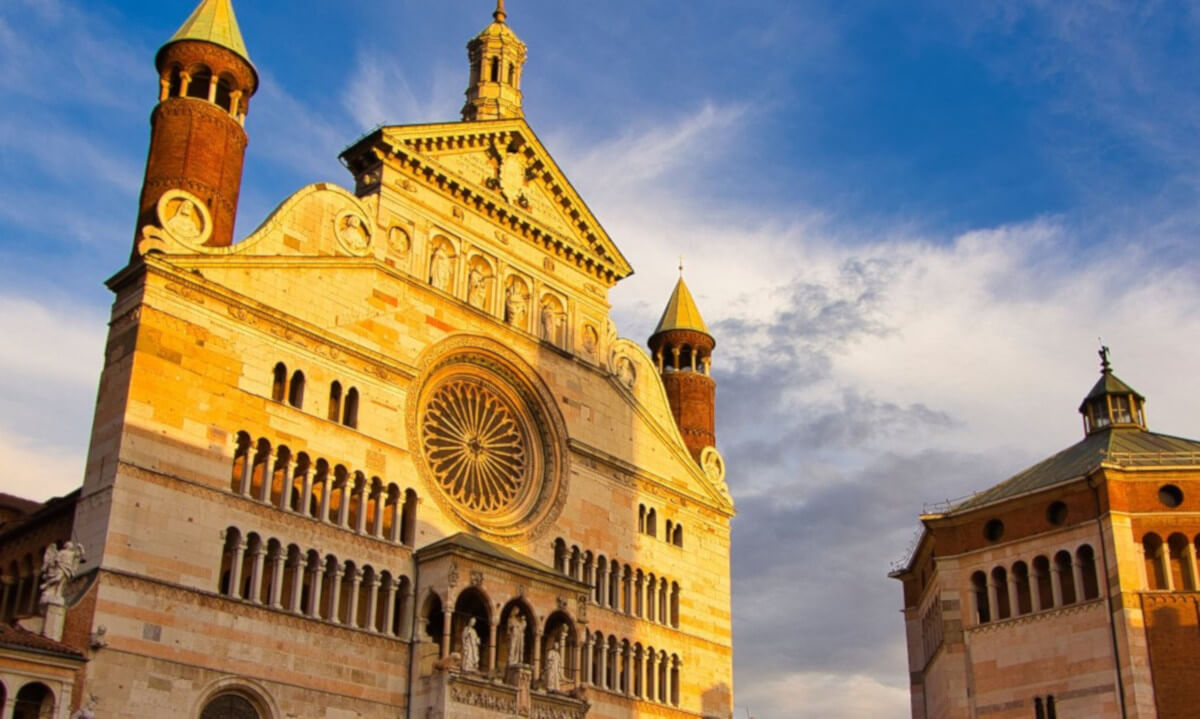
(1109, 383)
(213, 21)
(681, 312)
(1125, 446)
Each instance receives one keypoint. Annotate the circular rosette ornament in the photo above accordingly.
(489, 441)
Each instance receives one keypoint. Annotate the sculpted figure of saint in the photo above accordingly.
(185, 224)
(470, 647)
(516, 638)
(551, 322)
(58, 567)
(441, 271)
(554, 664)
(477, 286)
(516, 303)
(88, 710)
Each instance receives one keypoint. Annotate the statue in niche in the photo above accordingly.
(58, 567)
(353, 233)
(88, 710)
(516, 303)
(516, 638)
(470, 647)
(398, 242)
(552, 321)
(186, 223)
(441, 269)
(554, 663)
(625, 371)
(591, 341)
(478, 282)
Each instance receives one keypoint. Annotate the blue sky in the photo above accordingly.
(907, 224)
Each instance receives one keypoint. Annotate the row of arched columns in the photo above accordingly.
(1170, 565)
(330, 494)
(19, 587)
(596, 660)
(1045, 583)
(307, 583)
(621, 587)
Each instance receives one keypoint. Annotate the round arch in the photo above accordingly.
(248, 690)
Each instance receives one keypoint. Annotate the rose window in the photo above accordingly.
(476, 446)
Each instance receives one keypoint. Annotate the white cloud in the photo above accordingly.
(825, 695)
(36, 471)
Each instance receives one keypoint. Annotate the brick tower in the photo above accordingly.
(497, 57)
(197, 138)
(682, 349)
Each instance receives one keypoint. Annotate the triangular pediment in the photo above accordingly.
(502, 168)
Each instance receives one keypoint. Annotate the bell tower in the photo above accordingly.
(682, 350)
(197, 136)
(497, 58)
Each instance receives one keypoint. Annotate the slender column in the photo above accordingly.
(326, 497)
(352, 608)
(407, 628)
(285, 485)
(628, 661)
(380, 505)
(335, 593)
(343, 518)
(389, 608)
(372, 604)
(1141, 555)
(235, 569)
(993, 599)
(1035, 591)
(10, 707)
(212, 89)
(185, 81)
(268, 475)
(276, 595)
(604, 652)
(1056, 585)
(537, 652)
(164, 88)
(306, 493)
(314, 596)
(235, 102)
(247, 472)
(491, 649)
(447, 618)
(297, 586)
(397, 510)
(1014, 601)
(364, 492)
(585, 664)
(1164, 559)
(1077, 574)
(1189, 576)
(638, 673)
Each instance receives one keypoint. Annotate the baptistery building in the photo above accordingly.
(386, 456)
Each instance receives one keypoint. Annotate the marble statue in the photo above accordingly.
(516, 304)
(88, 710)
(554, 664)
(477, 287)
(470, 647)
(516, 638)
(185, 224)
(59, 565)
(441, 273)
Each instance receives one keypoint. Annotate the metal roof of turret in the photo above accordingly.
(681, 312)
(213, 21)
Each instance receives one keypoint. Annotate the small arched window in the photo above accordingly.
(979, 590)
(279, 383)
(296, 391)
(224, 96)
(677, 537)
(495, 69)
(230, 706)
(201, 81)
(652, 523)
(175, 82)
(1152, 548)
(512, 74)
(335, 401)
(350, 414)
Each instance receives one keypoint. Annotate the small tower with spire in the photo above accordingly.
(497, 58)
(682, 349)
(1112, 403)
(197, 138)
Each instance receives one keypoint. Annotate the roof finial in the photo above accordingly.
(1105, 365)
(681, 266)
(500, 15)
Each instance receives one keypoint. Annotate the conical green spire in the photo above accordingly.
(213, 21)
(681, 312)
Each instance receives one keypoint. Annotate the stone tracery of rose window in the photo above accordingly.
(476, 447)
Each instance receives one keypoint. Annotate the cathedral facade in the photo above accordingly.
(387, 455)
(1069, 590)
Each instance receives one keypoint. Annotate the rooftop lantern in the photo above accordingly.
(1112, 403)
